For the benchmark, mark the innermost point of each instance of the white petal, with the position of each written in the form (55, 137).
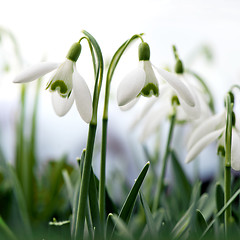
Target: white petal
(63, 74)
(150, 78)
(235, 161)
(61, 105)
(129, 105)
(130, 86)
(35, 72)
(202, 143)
(192, 113)
(161, 101)
(178, 85)
(82, 97)
(211, 124)
(153, 121)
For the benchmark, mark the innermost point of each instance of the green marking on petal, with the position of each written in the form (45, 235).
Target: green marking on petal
(175, 100)
(59, 84)
(149, 90)
(221, 151)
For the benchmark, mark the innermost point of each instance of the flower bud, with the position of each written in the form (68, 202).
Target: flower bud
(74, 52)
(143, 52)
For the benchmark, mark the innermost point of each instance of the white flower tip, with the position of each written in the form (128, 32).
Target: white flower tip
(87, 115)
(188, 160)
(82, 97)
(35, 72)
(61, 105)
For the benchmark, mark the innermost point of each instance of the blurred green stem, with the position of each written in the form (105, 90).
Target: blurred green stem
(20, 136)
(227, 169)
(160, 184)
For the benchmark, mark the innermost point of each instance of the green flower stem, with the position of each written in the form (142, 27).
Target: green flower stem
(83, 196)
(85, 182)
(20, 136)
(102, 173)
(227, 169)
(111, 69)
(160, 184)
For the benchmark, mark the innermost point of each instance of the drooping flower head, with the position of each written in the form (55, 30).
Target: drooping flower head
(212, 129)
(177, 89)
(66, 84)
(140, 81)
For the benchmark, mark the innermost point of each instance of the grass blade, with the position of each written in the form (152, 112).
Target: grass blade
(130, 201)
(149, 217)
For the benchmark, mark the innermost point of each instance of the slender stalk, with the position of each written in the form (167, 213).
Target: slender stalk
(20, 147)
(160, 183)
(85, 182)
(83, 196)
(111, 69)
(227, 168)
(102, 172)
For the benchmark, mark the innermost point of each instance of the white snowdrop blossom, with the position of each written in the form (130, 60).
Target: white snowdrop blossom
(66, 84)
(210, 130)
(140, 81)
(192, 106)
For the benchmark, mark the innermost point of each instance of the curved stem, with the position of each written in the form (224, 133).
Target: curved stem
(111, 69)
(91, 140)
(92, 53)
(160, 184)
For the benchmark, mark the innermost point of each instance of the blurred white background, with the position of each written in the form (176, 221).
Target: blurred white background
(46, 29)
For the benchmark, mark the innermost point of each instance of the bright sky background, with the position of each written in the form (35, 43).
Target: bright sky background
(47, 28)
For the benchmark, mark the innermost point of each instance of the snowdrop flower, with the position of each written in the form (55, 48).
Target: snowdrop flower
(140, 81)
(66, 84)
(192, 103)
(210, 130)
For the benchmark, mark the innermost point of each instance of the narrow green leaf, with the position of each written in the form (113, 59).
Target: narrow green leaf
(5, 231)
(89, 223)
(18, 193)
(76, 197)
(69, 186)
(130, 201)
(221, 212)
(74, 219)
(182, 183)
(219, 200)
(201, 222)
(149, 217)
(187, 219)
(110, 205)
(93, 201)
(122, 227)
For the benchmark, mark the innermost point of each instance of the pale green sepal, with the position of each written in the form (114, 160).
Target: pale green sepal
(74, 52)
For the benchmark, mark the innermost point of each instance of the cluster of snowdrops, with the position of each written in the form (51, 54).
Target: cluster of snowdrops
(178, 211)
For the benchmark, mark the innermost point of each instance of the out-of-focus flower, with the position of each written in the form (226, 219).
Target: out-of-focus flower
(192, 106)
(210, 130)
(66, 84)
